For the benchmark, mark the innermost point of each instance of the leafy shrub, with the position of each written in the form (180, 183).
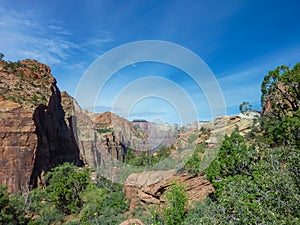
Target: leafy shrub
(233, 158)
(11, 208)
(192, 138)
(66, 182)
(176, 200)
(194, 162)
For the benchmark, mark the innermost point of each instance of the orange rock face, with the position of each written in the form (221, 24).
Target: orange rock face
(18, 143)
(35, 135)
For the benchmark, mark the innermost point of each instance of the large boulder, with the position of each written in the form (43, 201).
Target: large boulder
(150, 187)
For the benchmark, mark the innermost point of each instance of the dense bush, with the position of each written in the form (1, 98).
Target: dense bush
(176, 200)
(194, 162)
(66, 182)
(11, 208)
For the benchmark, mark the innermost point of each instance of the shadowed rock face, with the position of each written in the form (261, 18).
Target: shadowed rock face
(35, 135)
(56, 141)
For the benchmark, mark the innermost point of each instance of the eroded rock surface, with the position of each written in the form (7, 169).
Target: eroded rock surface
(150, 187)
(18, 143)
(35, 135)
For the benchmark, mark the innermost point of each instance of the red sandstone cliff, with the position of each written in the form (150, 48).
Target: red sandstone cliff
(34, 133)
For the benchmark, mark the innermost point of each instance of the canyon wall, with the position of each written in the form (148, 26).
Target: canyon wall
(35, 135)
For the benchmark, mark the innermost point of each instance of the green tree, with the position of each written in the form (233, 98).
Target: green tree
(66, 182)
(234, 157)
(281, 102)
(281, 91)
(245, 107)
(193, 164)
(192, 138)
(176, 200)
(1, 56)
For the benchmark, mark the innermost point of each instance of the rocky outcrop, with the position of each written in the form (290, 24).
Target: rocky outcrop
(150, 187)
(212, 132)
(26, 82)
(132, 222)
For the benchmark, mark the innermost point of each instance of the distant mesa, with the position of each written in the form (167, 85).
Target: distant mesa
(140, 121)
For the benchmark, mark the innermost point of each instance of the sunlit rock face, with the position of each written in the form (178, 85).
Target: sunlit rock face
(18, 143)
(35, 135)
(150, 187)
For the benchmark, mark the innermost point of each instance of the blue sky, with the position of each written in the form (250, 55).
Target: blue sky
(240, 41)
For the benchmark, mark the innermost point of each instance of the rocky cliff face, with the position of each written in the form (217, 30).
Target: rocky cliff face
(124, 130)
(157, 134)
(56, 141)
(18, 143)
(104, 138)
(34, 133)
(101, 138)
(150, 187)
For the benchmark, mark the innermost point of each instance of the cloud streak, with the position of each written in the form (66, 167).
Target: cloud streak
(23, 35)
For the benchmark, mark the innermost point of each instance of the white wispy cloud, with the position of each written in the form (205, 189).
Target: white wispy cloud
(24, 35)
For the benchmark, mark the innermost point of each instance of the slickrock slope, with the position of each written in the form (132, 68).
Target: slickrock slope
(212, 132)
(131, 222)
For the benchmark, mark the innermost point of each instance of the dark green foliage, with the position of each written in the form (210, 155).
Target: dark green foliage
(245, 107)
(281, 88)
(285, 131)
(253, 186)
(39, 204)
(66, 182)
(193, 164)
(281, 102)
(48, 215)
(104, 206)
(204, 130)
(234, 158)
(1, 56)
(104, 130)
(269, 196)
(11, 209)
(143, 158)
